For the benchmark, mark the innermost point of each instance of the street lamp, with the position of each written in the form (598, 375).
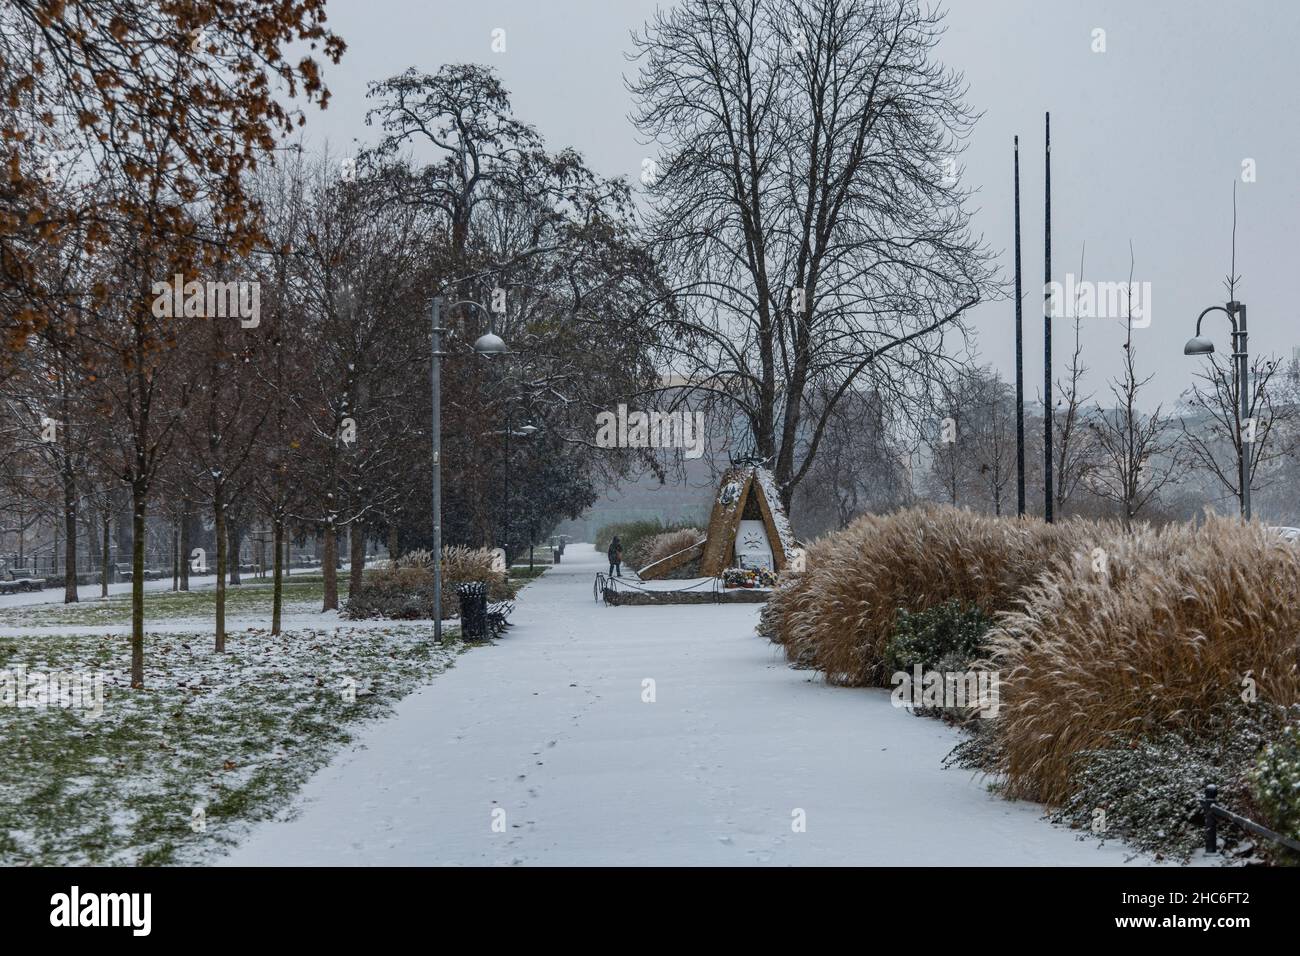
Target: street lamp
(489, 345)
(1202, 345)
(486, 345)
(523, 432)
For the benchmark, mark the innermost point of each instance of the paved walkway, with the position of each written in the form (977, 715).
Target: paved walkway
(541, 750)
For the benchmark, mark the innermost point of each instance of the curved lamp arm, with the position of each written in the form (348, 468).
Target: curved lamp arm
(488, 344)
(1232, 317)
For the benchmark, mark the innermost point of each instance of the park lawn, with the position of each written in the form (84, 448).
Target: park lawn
(174, 773)
(522, 572)
(301, 594)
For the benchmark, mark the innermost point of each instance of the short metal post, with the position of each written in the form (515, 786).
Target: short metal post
(1211, 820)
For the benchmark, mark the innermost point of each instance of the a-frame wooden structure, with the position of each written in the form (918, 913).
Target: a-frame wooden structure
(746, 492)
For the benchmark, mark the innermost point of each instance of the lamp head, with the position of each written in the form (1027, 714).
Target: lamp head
(489, 345)
(1198, 345)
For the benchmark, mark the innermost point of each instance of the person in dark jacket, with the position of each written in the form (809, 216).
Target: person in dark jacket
(615, 558)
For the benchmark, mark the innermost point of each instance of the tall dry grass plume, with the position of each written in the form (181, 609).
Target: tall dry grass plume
(1150, 634)
(838, 615)
(660, 546)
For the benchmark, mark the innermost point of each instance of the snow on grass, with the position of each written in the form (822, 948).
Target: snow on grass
(232, 735)
(300, 594)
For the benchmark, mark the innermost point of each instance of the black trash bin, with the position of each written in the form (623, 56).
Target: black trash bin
(473, 610)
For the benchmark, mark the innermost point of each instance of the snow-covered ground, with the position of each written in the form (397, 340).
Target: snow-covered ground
(543, 749)
(90, 592)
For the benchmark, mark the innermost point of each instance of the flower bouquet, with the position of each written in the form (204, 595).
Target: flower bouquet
(748, 578)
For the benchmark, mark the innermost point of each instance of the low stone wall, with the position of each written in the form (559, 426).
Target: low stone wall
(731, 596)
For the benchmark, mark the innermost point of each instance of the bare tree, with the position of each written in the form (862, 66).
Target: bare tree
(860, 469)
(806, 200)
(1076, 443)
(973, 449)
(1137, 451)
(1215, 435)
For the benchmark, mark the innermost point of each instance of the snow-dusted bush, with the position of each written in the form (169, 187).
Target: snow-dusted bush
(1150, 636)
(839, 614)
(947, 637)
(1148, 792)
(1275, 782)
(404, 589)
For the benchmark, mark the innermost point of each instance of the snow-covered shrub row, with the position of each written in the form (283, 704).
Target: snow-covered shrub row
(838, 616)
(404, 590)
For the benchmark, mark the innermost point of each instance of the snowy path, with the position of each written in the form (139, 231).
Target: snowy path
(549, 726)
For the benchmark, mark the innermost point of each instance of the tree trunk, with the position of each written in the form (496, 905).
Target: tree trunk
(186, 541)
(176, 555)
(392, 541)
(234, 532)
(219, 514)
(103, 567)
(277, 588)
(69, 536)
(138, 495)
(330, 565)
(357, 545)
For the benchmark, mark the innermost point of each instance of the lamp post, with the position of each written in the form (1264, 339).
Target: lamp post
(486, 345)
(1200, 345)
(523, 432)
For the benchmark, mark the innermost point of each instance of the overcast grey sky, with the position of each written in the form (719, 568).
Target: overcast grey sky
(1147, 140)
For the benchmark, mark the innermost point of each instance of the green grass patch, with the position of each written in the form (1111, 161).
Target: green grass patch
(525, 573)
(174, 773)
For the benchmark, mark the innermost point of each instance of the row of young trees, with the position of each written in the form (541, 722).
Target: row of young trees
(201, 320)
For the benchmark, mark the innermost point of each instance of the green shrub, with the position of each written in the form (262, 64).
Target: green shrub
(1151, 789)
(946, 637)
(1275, 782)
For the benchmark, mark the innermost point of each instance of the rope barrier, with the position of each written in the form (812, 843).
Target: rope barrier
(605, 583)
